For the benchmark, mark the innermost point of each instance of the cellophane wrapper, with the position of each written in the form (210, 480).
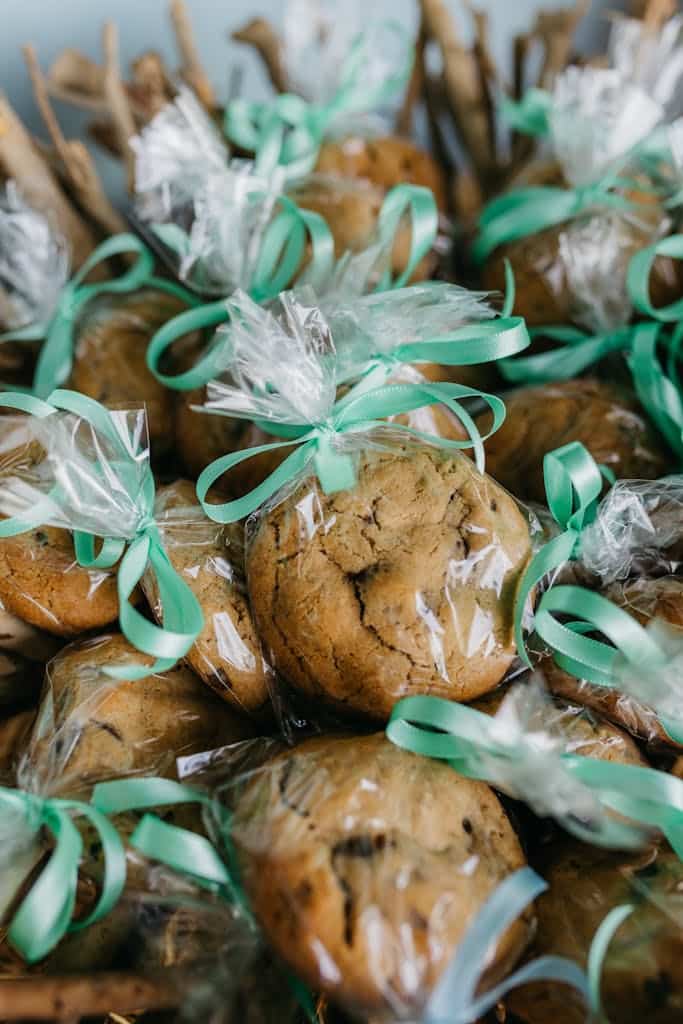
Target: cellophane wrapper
(651, 59)
(640, 977)
(357, 879)
(404, 581)
(34, 263)
(91, 728)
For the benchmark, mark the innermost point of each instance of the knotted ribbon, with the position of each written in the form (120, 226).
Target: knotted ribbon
(289, 130)
(182, 618)
(45, 914)
(530, 114)
(318, 444)
(280, 258)
(55, 361)
(474, 745)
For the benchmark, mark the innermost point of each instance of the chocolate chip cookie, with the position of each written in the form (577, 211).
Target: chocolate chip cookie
(210, 560)
(403, 584)
(365, 864)
(544, 417)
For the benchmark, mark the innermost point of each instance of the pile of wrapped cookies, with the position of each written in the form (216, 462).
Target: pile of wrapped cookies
(341, 529)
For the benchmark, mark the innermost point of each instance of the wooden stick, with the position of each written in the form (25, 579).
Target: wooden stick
(415, 87)
(151, 86)
(73, 997)
(20, 160)
(117, 100)
(260, 34)
(77, 162)
(463, 87)
(657, 12)
(556, 31)
(191, 69)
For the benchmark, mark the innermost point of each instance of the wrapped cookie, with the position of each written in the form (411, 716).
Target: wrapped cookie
(210, 557)
(93, 479)
(570, 233)
(637, 897)
(391, 558)
(357, 873)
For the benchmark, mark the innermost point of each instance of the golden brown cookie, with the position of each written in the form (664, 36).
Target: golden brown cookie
(404, 584)
(642, 976)
(41, 582)
(210, 560)
(547, 416)
(645, 600)
(92, 727)
(109, 358)
(365, 864)
(386, 161)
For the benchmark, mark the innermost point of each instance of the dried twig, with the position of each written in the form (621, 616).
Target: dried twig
(486, 67)
(78, 165)
(117, 100)
(21, 160)
(435, 105)
(463, 87)
(415, 87)
(657, 12)
(191, 68)
(151, 87)
(260, 34)
(556, 31)
(71, 997)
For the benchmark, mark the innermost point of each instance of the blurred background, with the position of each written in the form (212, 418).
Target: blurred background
(52, 25)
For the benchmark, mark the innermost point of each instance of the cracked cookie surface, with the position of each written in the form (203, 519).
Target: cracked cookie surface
(365, 864)
(404, 584)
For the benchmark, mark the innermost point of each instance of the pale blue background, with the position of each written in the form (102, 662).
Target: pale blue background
(143, 24)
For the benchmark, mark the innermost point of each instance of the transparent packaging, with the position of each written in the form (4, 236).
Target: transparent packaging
(210, 558)
(576, 272)
(364, 866)
(653, 59)
(34, 263)
(641, 974)
(603, 416)
(403, 583)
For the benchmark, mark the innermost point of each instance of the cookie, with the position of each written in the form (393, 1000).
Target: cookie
(645, 600)
(92, 727)
(41, 582)
(109, 358)
(13, 735)
(210, 559)
(404, 584)
(365, 864)
(547, 416)
(351, 209)
(386, 162)
(642, 976)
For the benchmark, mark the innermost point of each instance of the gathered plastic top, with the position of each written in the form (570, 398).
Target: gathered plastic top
(34, 262)
(596, 117)
(653, 60)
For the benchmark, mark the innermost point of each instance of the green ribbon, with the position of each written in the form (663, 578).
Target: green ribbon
(56, 356)
(529, 116)
(182, 618)
(45, 914)
(638, 278)
(525, 211)
(579, 350)
(280, 258)
(318, 445)
(472, 743)
(289, 130)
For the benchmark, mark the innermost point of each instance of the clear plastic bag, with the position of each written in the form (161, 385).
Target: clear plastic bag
(34, 262)
(402, 583)
(210, 558)
(641, 975)
(576, 272)
(603, 417)
(364, 865)
(651, 59)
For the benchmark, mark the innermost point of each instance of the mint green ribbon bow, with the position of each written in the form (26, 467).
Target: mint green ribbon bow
(280, 258)
(182, 618)
(56, 356)
(525, 211)
(529, 116)
(319, 445)
(468, 739)
(289, 130)
(281, 255)
(45, 914)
